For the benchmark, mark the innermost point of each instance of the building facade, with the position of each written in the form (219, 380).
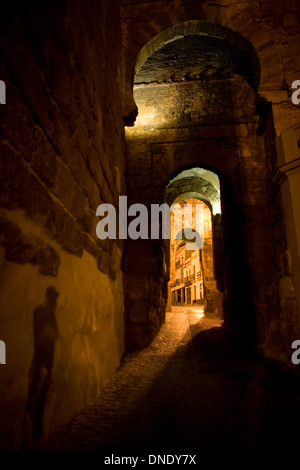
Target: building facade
(188, 287)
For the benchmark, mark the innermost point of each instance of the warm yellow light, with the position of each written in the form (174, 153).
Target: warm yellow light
(216, 208)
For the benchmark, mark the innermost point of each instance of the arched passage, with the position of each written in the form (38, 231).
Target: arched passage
(198, 110)
(197, 191)
(253, 40)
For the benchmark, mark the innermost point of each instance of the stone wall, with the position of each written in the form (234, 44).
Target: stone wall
(62, 154)
(283, 325)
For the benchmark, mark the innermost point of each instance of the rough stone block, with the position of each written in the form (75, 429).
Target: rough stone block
(71, 237)
(65, 187)
(139, 313)
(22, 249)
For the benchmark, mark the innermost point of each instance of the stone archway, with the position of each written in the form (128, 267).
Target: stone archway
(198, 184)
(185, 123)
(246, 253)
(239, 30)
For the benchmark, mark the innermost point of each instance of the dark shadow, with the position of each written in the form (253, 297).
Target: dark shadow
(45, 334)
(212, 394)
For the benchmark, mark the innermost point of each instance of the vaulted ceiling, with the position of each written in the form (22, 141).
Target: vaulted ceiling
(191, 79)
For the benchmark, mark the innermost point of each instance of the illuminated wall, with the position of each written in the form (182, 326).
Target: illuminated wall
(62, 154)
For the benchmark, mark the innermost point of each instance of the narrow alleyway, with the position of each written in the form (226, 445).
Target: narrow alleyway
(193, 388)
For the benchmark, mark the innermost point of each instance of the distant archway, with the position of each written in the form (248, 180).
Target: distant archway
(199, 120)
(193, 281)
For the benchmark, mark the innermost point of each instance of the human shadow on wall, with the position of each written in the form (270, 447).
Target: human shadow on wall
(45, 334)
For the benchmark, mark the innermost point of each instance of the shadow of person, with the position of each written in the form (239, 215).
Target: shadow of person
(45, 334)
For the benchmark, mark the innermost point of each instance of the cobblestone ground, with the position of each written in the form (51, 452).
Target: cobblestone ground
(193, 388)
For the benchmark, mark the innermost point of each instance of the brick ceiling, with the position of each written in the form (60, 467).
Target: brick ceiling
(195, 57)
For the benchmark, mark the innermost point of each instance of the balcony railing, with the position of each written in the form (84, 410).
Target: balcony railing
(189, 279)
(178, 264)
(176, 283)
